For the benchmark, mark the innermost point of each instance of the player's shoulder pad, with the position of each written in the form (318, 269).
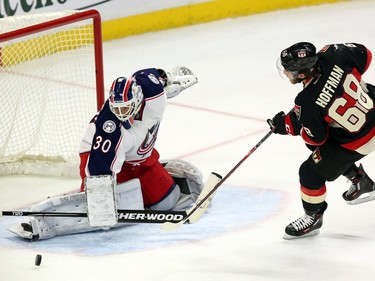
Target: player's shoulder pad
(149, 81)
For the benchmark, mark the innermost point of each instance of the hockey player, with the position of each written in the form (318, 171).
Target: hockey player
(334, 115)
(119, 162)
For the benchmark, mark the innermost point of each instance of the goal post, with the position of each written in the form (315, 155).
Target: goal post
(51, 85)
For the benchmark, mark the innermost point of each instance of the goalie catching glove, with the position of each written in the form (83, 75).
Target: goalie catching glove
(177, 80)
(285, 124)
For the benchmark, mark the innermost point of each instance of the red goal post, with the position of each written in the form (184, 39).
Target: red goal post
(51, 85)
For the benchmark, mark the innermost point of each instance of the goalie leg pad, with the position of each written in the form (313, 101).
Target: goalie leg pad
(48, 227)
(128, 196)
(188, 177)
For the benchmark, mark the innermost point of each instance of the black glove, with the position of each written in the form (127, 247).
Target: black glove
(285, 124)
(278, 122)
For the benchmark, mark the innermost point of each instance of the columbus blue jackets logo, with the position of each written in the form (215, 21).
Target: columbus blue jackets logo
(109, 126)
(153, 78)
(149, 141)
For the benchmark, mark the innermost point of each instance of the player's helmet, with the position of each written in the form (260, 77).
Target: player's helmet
(125, 98)
(299, 58)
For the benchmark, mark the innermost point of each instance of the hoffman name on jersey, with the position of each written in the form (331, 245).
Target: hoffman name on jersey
(330, 86)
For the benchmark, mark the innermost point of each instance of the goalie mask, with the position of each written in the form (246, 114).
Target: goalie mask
(125, 99)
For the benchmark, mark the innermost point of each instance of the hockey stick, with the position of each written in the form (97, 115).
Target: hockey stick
(133, 216)
(169, 219)
(127, 216)
(171, 225)
(124, 216)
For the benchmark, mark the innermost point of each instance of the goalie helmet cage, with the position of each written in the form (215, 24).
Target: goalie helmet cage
(51, 85)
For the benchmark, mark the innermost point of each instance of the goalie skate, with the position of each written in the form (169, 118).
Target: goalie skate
(362, 189)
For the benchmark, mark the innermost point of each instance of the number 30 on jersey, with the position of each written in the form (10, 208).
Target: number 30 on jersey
(103, 145)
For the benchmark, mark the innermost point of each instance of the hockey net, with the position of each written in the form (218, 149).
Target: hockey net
(51, 85)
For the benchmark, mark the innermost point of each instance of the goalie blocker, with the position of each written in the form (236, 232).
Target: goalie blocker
(101, 207)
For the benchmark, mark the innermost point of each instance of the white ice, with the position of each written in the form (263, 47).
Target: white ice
(214, 125)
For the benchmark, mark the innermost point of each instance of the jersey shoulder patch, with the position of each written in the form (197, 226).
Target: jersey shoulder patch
(106, 122)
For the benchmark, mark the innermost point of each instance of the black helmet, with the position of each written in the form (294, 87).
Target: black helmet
(299, 58)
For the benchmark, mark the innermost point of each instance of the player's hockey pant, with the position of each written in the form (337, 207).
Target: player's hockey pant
(326, 163)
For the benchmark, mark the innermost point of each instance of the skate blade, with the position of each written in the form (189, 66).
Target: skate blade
(366, 197)
(291, 237)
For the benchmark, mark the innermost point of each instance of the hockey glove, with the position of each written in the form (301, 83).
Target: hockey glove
(285, 124)
(179, 79)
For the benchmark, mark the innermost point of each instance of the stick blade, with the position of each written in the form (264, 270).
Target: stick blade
(195, 213)
(168, 226)
(211, 183)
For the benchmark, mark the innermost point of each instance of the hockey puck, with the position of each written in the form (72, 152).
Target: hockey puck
(38, 259)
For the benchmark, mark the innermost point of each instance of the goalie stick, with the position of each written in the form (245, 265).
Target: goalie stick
(124, 216)
(169, 219)
(134, 216)
(204, 202)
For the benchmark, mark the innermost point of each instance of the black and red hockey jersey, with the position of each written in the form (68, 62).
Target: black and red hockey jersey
(338, 105)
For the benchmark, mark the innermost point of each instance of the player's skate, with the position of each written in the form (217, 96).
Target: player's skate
(305, 226)
(362, 188)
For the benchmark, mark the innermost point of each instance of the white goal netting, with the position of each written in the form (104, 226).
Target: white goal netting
(48, 89)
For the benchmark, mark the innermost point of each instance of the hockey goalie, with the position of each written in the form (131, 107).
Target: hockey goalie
(120, 168)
